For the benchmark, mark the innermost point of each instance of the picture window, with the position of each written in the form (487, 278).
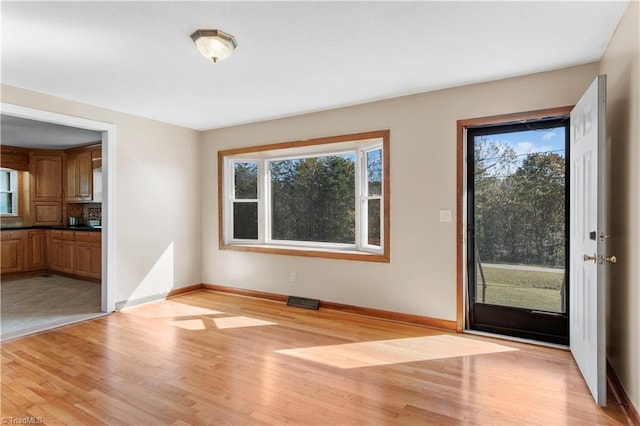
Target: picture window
(326, 197)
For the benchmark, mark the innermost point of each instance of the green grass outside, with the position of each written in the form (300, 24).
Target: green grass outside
(521, 289)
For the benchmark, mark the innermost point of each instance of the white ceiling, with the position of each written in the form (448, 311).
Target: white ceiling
(292, 57)
(27, 133)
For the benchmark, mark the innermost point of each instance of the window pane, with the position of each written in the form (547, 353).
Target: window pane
(246, 181)
(519, 215)
(374, 172)
(245, 221)
(313, 199)
(6, 204)
(5, 180)
(373, 224)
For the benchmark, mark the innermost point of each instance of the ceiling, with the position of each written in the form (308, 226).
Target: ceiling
(27, 133)
(292, 57)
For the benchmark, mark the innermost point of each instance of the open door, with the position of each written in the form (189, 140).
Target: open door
(517, 228)
(588, 238)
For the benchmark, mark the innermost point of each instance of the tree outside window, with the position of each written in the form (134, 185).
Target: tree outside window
(313, 196)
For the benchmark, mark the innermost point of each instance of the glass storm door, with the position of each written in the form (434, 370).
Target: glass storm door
(517, 229)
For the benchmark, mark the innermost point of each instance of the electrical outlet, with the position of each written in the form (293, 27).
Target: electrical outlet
(293, 277)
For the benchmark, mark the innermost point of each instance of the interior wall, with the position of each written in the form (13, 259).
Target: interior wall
(421, 277)
(621, 64)
(157, 197)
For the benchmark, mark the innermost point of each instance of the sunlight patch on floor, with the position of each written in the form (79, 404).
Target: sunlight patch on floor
(192, 324)
(238, 322)
(395, 351)
(168, 309)
(219, 323)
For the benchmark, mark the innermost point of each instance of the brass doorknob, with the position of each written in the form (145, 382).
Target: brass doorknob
(588, 258)
(611, 259)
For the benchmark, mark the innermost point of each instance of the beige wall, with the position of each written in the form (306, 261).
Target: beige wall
(621, 64)
(166, 190)
(421, 278)
(157, 198)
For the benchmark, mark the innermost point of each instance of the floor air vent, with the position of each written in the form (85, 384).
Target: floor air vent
(302, 302)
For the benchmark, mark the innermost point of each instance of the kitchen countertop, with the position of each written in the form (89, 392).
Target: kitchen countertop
(57, 227)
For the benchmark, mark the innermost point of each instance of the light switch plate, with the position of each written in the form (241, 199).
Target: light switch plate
(445, 215)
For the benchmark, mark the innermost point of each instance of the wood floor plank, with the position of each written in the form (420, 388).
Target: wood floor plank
(214, 358)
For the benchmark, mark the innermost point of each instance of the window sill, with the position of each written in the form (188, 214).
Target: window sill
(307, 252)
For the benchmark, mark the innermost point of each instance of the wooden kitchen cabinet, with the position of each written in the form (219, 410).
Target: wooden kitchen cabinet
(68, 257)
(78, 176)
(54, 259)
(11, 251)
(47, 213)
(46, 170)
(88, 254)
(55, 255)
(13, 157)
(62, 251)
(46, 188)
(76, 253)
(81, 258)
(36, 250)
(95, 261)
(47, 248)
(96, 157)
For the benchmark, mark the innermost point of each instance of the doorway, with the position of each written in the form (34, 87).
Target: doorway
(517, 228)
(107, 131)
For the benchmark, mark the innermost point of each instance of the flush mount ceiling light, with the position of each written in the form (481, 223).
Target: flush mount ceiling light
(214, 44)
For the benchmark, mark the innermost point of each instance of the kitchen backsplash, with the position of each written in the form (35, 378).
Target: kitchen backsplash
(94, 213)
(86, 212)
(75, 210)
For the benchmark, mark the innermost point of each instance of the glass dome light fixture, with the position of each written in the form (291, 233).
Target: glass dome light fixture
(214, 44)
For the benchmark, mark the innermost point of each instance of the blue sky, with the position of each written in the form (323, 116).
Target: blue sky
(524, 143)
(534, 140)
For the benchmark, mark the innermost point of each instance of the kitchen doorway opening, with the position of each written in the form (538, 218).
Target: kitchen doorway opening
(108, 134)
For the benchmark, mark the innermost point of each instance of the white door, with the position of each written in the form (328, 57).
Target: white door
(588, 238)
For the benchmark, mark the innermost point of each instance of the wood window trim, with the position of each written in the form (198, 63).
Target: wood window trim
(462, 126)
(384, 257)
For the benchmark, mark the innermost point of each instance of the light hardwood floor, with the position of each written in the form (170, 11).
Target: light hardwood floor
(212, 358)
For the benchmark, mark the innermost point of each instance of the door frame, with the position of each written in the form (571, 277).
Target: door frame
(108, 131)
(461, 193)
